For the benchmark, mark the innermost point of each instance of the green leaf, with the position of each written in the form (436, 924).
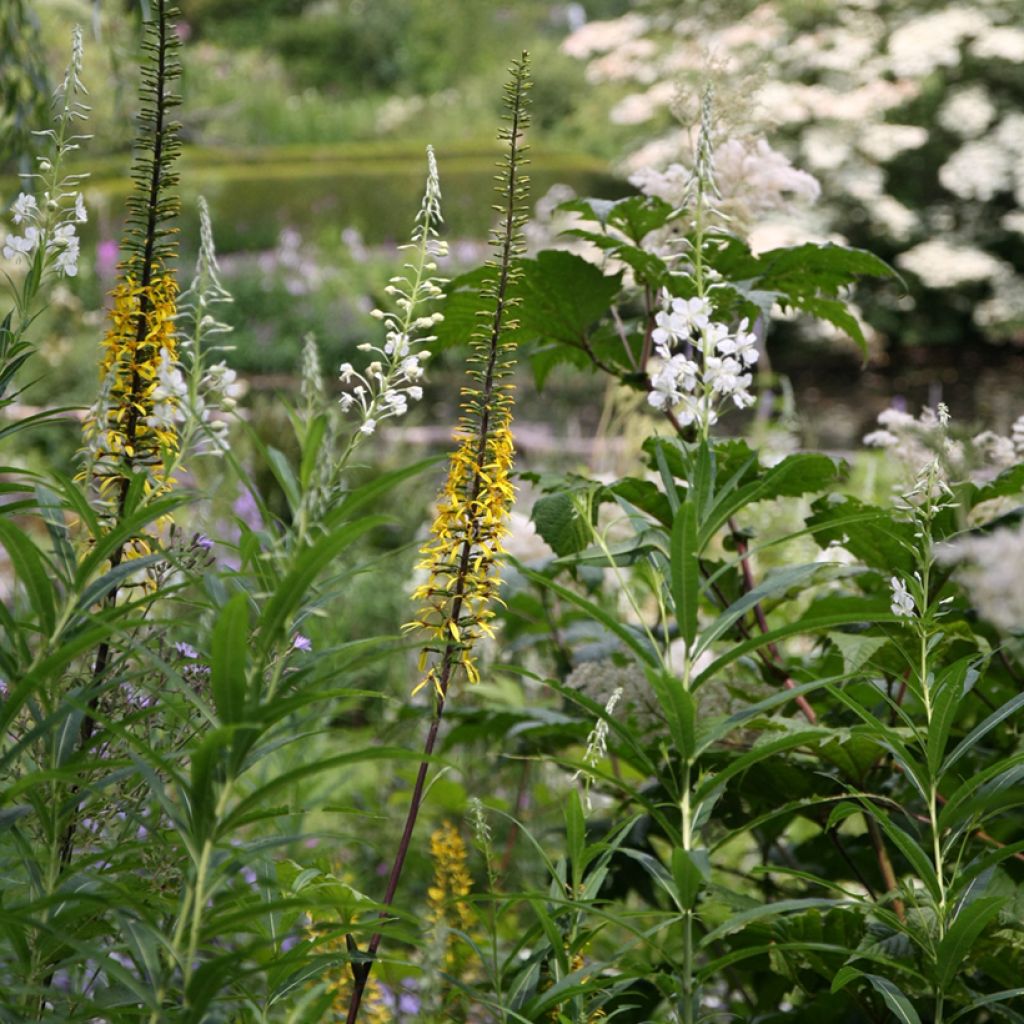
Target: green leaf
(311, 448)
(563, 297)
(559, 522)
(902, 1008)
(679, 708)
(31, 571)
(955, 946)
(971, 739)
(228, 658)
(375, 489)
(796, 475)
(691, 870)
(778, 582)
(978, 1000)
(309, 564)
(763, 912)
(908, 846)
(635, 216)
(685, 571)
(648, 497)
(637, 643)
(951, 685)
(575, 837)
(866, 531)
(283, 474)
(857, 649)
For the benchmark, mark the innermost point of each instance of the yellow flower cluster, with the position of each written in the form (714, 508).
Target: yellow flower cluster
(125, 432)
(452, 880)
(446, 898)
(465, 547)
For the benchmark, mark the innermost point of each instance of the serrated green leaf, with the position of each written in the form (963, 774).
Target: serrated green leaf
(559, 522)
(856, 649)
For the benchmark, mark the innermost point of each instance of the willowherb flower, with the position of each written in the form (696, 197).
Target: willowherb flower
(49, 240)
(597, 744)
(902, 600)
(389, 383)
(712, 366)
(211, 390)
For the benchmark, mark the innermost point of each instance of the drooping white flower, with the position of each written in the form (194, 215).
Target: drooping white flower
(902, 601)
(67, 258)
(21, 245)
(81, 214)
(742, 344)
(168, 396)
(24, 208)
(1017, 435)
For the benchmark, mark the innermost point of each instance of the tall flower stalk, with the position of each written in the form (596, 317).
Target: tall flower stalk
(131, 429)
(462, 554)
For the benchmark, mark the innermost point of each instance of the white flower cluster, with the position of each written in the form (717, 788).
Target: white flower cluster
(842, 88)
(390, 382)
(50, 229)
(943, 264)
(50, 223)
(751, 178)
(169, 395)
(918, 441)
(699, 363)
(992, 570)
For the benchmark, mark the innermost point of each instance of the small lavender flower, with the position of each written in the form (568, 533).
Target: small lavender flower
(186, 650)
(301, 643)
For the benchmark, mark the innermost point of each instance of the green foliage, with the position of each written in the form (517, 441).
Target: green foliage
(746, 746)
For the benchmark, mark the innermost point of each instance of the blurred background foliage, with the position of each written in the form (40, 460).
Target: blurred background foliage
(305, 122)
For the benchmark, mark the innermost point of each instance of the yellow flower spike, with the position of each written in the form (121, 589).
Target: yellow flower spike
(447, 905)
(134, 418)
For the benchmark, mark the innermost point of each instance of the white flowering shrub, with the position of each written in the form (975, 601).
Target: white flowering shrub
(906, 114)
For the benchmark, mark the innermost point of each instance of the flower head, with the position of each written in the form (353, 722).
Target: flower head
(136, 423)
(902, 601)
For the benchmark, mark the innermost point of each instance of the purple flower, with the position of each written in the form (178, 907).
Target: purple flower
(186, 650)
(301, 643)
(247, 510)
(204, 542)
(106, 258)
